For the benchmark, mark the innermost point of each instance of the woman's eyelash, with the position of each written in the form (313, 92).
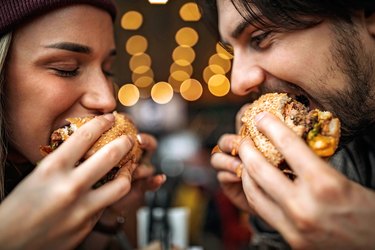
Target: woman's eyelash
(66, 73)
(108, 73)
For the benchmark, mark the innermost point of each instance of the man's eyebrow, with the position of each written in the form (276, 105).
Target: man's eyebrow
(74, 47)
(239, 29)
(236, 32)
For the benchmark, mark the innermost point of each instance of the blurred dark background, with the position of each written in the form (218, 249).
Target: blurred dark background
(186, 130)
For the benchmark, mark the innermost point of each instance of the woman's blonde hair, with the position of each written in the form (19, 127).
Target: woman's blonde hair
(4, 47)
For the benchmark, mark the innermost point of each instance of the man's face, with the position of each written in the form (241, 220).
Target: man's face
(329, 66)
(58, 68)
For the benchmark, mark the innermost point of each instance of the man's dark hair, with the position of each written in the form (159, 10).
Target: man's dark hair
(290, 14)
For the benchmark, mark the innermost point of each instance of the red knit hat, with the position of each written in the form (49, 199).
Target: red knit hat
(14, 12)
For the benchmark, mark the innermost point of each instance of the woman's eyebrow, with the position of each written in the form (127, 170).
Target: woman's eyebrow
(74, 47)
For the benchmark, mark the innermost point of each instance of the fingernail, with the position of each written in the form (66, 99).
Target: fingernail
(139, 138)
(110, 117)
(163, 177)
(259, 116)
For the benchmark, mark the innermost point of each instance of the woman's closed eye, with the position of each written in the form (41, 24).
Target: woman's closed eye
(66, 72)
(108, 73)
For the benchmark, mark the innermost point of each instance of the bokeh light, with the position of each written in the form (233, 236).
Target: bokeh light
(218, 60)
(189, 12)
(219, 85)
(144, 81)
(222, 52)
(136, 76)
(131, 20)
(136, 45)
(175, 67)
(162, 92)
(140, 63)
(180, 75)
(187, 36)
(183, 55)
(191, 89)
(128, 95)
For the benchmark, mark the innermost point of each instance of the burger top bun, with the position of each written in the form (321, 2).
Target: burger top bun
(288, 110)
(122, 126)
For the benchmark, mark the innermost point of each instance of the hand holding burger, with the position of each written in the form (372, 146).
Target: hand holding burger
(123, 126)
(319, 129)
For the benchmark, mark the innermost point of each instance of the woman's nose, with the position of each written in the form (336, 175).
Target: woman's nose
(246, 75)
(100, 95)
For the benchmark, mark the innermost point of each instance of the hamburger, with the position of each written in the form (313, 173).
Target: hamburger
(123, 125)
(319, 129)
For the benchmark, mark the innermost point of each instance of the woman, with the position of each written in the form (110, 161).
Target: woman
(55, 62)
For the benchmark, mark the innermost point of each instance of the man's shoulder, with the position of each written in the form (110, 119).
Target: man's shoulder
(356, 160)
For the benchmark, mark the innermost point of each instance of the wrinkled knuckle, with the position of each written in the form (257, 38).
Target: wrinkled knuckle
(102, 122)
(113, 155)
(328, 189)
(86, 135)
(49, 164)
(61, 162)
(305, 222)
(284, 141)
(298, 243)
(69, 194)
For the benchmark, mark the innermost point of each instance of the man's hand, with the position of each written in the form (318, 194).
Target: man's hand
(321, 209)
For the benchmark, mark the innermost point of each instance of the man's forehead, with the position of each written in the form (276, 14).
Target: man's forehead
(229, 17)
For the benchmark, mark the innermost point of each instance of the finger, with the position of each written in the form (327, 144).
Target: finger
(268, 177)
(221, 161)
(143, 171)
(226, 177)
(126, 171)
(228, 142)
(150, 183)
(266, 208)
(148, 143)
(304, 162)
(107, 194)
(100, 163)
(72, 150)
(239, 116)
(154, 183)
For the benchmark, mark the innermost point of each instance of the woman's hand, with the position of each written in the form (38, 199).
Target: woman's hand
(55, 207)
(321, 209)
(143, 179)
(122, 215)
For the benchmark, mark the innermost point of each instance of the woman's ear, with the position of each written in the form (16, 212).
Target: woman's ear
(370, 22)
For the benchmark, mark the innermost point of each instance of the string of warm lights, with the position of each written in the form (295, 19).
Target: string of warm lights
(179, 81)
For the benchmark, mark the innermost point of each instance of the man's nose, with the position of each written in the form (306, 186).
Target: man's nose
(100, 95)
(246, 75)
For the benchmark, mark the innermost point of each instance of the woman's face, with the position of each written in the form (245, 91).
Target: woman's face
(59, 66)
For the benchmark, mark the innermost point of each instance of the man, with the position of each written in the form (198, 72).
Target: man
(324, 52)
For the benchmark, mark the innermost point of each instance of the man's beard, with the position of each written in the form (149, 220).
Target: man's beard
(355, 104)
